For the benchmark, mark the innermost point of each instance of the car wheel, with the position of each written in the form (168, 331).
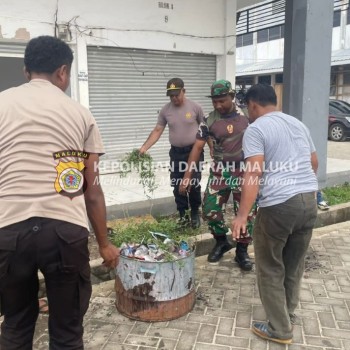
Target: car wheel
(336, 132)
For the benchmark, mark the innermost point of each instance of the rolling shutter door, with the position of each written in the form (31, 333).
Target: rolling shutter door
(127, 90)
(9, 49)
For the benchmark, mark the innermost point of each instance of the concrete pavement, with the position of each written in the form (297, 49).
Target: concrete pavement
(227, 302)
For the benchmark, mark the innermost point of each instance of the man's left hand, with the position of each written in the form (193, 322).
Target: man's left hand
(238, 226)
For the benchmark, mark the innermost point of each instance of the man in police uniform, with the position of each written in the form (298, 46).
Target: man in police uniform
(49, 153)
(183, 117)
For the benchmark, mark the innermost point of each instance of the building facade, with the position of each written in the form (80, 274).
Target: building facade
(125, 51)
(259, 53)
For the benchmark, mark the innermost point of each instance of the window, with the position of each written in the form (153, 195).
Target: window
(264, 79)
(263, 35)
(244, 40)
(239, 40)
(244, 83)
(272, 33)
(336, 18)
(346, 78)
(247, 39)
(275, 33)
(279, 78)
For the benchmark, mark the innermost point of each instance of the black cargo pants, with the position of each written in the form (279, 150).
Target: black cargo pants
(178, 161)
(60, 251)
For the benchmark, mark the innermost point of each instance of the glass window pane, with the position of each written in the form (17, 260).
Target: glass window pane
(279, 78)
(333, 110)
(264, 79)
(274, 33)
(239, 41)
(247, 39)
(263, 35)
(346, 78)
(336, 18)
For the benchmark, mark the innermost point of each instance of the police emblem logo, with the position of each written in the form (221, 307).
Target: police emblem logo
(229, 128)
(172, 86)
(70, 179)
(188, 115)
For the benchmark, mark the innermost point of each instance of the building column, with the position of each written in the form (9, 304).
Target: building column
(226, 63)
(307, 67)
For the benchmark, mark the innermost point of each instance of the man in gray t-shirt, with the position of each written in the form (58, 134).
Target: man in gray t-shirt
(281, 164)
(183, 117)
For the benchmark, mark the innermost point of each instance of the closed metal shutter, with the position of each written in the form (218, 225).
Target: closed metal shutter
(9, 49)
(127, 89)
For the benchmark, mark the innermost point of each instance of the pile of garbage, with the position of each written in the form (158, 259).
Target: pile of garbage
(161, 249)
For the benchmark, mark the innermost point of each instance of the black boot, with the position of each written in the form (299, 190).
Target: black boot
(221, 247)
(184, 220)
(195, 219)
(242, 257)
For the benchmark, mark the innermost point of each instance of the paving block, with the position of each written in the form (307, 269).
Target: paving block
(206, 333)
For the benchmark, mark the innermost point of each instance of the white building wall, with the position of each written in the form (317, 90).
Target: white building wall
(133, 23)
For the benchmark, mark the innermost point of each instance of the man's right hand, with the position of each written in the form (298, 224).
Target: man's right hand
(142, 150)
(110, 255)
(184, 187)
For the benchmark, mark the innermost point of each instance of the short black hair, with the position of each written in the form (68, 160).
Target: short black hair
(262, 94)
(45, 54)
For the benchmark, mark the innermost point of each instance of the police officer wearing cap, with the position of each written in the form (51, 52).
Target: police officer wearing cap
(224, 128)
(183, 117)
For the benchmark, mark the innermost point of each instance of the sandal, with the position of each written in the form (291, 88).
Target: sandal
(43, 306)
(261, 329)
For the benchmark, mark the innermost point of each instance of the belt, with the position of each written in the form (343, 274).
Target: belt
(185, 149)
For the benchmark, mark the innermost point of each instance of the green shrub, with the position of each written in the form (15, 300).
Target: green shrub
(337, 194)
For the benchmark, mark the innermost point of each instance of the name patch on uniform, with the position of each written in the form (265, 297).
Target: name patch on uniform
(70, 153)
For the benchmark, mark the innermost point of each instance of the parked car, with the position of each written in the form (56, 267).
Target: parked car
(341, 105)
(338, 120)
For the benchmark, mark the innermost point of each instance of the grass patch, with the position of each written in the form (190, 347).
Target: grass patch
(138, 231)
(337, 194)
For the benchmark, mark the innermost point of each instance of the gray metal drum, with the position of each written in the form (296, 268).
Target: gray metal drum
(155, 291)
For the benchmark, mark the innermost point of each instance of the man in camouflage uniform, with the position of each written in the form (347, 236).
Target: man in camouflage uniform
(224, 128)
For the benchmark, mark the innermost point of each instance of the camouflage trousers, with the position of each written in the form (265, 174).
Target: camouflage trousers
(217, 193)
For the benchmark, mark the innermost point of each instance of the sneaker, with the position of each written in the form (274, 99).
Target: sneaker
(261, 330)
(219, 250)
(243, 260)
(323, 205)
(195, 219)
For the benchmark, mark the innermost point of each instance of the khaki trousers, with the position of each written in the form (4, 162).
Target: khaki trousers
(282, 234)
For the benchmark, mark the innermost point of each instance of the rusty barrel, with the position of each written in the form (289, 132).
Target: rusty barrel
(155, 291)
